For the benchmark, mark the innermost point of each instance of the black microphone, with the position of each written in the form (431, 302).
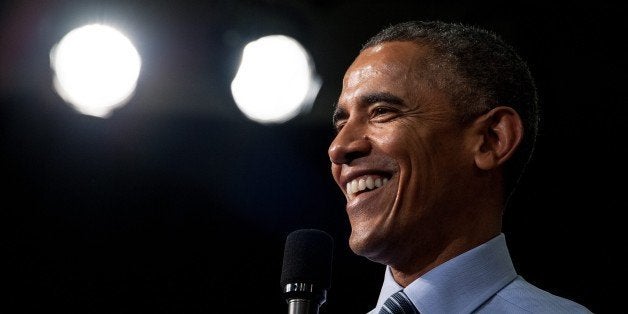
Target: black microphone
(306, 272)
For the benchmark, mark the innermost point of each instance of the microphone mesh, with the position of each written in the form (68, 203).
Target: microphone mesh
(307, 258)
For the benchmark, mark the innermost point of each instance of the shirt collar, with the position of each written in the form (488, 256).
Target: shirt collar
(461, 284)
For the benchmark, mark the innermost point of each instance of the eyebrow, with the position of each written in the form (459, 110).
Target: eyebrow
(340, 113)
(381, 97)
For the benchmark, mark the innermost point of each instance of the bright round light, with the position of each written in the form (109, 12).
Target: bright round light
(275, 81)
(96, 69)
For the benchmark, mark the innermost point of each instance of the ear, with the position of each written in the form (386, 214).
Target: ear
(499, 132)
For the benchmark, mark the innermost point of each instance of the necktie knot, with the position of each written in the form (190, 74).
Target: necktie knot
(398, 303)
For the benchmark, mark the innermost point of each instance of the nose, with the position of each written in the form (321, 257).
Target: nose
(349, 144)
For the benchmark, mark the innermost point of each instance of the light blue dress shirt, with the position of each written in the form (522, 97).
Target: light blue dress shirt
(482, 280)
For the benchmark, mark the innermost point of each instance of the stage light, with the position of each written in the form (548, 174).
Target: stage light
(95, 69)
(276, 80)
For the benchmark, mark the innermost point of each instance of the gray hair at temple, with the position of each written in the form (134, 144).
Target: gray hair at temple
(478, 71)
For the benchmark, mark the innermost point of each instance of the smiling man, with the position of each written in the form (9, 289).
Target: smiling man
(435, 124)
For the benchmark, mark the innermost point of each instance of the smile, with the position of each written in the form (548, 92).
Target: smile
(365, 183)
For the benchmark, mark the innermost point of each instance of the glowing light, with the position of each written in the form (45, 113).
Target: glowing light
(96, 69)
(275, 81)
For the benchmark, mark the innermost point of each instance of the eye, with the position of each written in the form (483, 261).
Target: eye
(338, 125)
(383, 113)
(380, 110)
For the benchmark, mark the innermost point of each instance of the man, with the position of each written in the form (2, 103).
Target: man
(435, 124)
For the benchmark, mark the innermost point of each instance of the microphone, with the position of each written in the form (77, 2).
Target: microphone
(306, 272)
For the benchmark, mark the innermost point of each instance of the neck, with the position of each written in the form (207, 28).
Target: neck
(465, 228)
(405, 273)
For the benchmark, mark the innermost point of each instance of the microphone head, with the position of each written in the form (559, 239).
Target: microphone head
(307, 258)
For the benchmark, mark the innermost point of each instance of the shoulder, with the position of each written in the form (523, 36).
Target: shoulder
(520, 296)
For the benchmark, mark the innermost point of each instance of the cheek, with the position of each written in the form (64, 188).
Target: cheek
(418, 156)
(406, 145)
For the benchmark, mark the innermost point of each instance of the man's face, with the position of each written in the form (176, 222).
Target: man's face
(399, 155)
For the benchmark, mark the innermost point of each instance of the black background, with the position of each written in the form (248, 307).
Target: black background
(178, 204)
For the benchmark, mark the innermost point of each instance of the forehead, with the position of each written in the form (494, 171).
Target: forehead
(394, 67)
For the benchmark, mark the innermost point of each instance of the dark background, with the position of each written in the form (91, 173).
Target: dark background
(178, 204)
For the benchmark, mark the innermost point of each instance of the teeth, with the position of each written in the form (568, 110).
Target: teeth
(378, 182)
(364, 183)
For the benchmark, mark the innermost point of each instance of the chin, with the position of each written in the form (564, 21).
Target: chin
(371, 244)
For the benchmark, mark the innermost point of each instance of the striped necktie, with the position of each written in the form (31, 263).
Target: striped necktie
(398, 303)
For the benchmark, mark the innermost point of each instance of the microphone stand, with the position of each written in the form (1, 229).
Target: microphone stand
(304, 298)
